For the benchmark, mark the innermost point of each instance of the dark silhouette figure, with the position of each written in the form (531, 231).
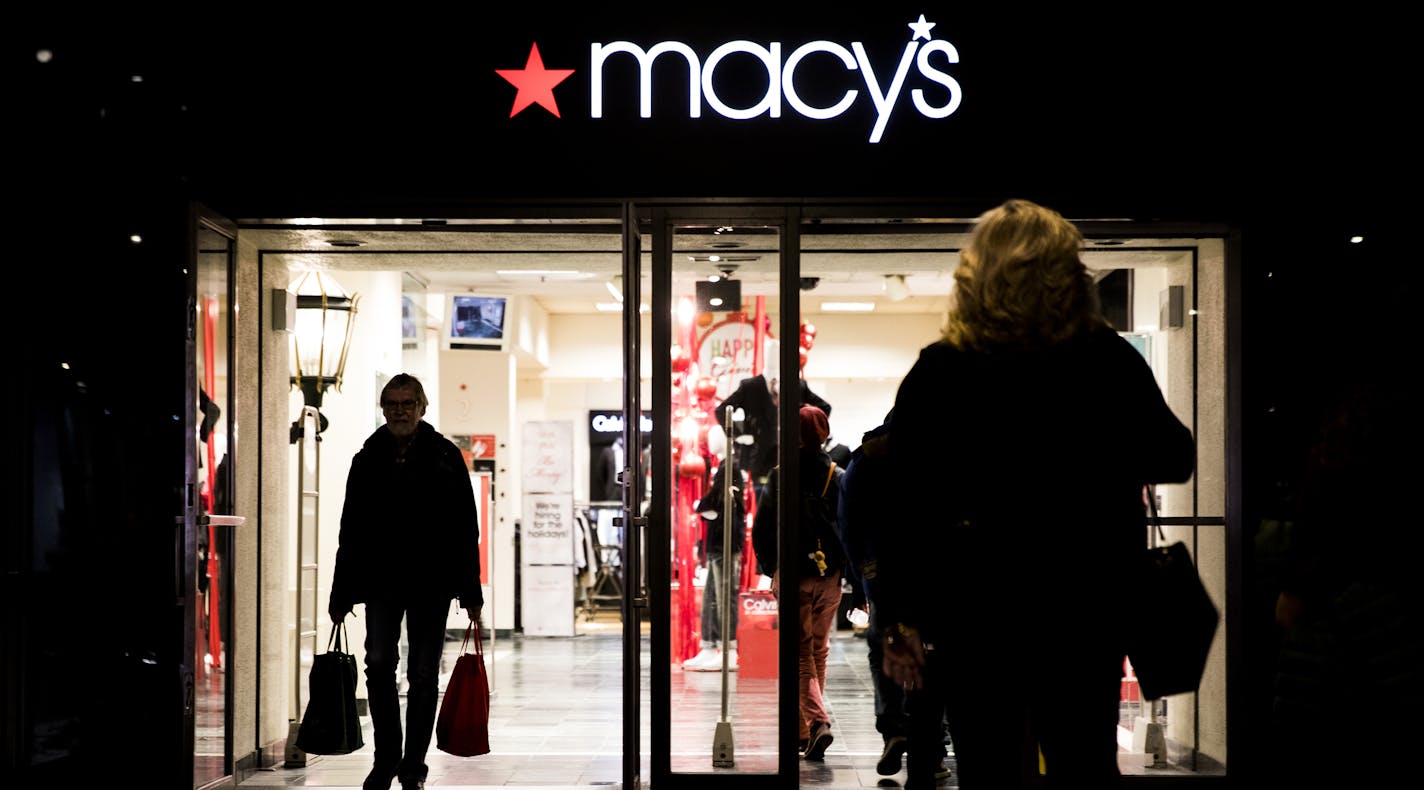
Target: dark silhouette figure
(865, 488)
(409, 544)
(1343, 564)
(1021, 443)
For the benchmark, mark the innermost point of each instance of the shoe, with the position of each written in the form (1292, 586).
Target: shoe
(819, 741)
(708, 660)
(891, 757)
(418, 784)
(731, 661)
(940, 774)
(378, 779)
(801, 746)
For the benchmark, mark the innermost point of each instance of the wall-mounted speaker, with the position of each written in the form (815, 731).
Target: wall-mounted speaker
(719, 297)
(1173, 308)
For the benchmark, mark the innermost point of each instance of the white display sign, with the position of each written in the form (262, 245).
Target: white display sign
(547, 530)
(548, 457)
(547, 592)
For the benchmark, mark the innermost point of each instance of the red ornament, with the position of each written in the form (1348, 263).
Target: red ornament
(692, 465)
(803, 357)
(706, 388)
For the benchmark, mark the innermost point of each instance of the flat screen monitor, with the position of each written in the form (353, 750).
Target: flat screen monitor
(477, 321)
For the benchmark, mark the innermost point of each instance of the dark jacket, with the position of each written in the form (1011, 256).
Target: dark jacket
(1018, 483)
(409, 531)
(862, 508)
(713, 502)
(754, 399)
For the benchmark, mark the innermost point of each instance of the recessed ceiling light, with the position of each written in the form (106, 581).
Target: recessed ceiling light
(608, 307)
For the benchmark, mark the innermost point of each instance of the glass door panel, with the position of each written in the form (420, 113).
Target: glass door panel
(213, 538)
(724, 430)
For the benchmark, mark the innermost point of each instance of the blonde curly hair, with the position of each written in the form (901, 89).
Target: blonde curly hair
(1021, 282)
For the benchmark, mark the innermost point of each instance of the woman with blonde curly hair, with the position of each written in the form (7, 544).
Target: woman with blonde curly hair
(1022, 442)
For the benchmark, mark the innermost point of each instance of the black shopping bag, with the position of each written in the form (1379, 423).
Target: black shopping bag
(331, 724)
(1174, 623)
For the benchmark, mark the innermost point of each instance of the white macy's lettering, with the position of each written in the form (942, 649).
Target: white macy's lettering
(781, 78)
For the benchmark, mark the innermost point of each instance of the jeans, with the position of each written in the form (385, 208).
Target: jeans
(712, 597)
(889, 698)
(425, 637)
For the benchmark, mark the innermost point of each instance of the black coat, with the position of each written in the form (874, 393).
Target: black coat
(409, 531)
(713, 501)
(1018, 485)
(754, 398)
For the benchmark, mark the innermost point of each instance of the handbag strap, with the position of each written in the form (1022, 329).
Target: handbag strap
(1155, 521)
(338, 636)
(473, 629)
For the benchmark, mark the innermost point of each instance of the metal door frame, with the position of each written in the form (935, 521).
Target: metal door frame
(665, 219)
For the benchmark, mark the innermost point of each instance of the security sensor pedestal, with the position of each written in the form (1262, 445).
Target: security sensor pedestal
(723, 753)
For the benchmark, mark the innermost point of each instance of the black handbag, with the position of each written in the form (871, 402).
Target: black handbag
(1175, 620)
(331, 724)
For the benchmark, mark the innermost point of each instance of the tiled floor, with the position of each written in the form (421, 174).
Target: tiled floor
(556, 722)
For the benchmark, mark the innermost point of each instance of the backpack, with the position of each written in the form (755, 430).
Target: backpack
(821, 550)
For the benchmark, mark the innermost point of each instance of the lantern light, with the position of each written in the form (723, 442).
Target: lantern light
(321, 340)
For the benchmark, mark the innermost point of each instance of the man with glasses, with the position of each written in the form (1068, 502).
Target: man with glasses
(409, 544)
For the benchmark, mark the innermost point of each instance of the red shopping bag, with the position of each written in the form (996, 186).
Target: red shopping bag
(462, 727)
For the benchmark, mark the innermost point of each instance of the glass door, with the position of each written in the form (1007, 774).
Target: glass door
(208, 540)
(723, 680)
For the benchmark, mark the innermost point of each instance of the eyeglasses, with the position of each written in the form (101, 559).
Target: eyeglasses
(399, 405)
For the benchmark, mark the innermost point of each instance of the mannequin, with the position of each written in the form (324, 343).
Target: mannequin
(757, 398)
(709, 508)
(604, 485)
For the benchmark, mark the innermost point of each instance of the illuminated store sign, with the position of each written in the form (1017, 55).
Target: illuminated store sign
(923, 56)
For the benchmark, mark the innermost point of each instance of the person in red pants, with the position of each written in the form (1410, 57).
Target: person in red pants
(823, 558)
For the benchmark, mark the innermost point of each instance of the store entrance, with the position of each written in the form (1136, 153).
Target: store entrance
(684, 325)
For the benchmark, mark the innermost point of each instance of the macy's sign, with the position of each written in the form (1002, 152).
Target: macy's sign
(927, 56)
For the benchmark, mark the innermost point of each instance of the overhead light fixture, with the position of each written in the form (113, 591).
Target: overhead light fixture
(847, 307)
(895, 288)
(615, 287)
(540, 273)
(322, 337)
(608, 307)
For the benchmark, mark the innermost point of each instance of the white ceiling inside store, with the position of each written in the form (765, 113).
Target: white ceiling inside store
(565, 268)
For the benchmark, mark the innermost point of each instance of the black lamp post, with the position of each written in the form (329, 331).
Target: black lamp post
(322, 337)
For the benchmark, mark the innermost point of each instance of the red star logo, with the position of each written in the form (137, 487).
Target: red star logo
(535, 83)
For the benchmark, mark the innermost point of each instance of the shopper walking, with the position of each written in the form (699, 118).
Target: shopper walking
(863, 517)
(822, 558)
(1021, 442)
(409, 543)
